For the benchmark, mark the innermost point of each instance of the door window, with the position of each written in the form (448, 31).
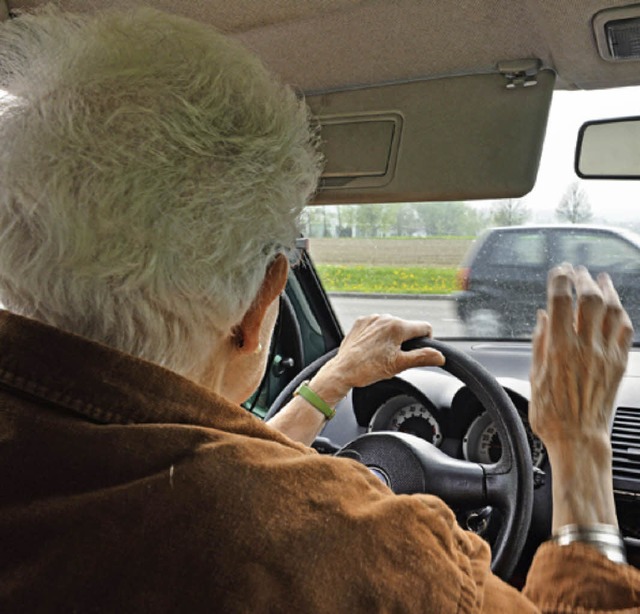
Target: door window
(598, 251)
(518, 249)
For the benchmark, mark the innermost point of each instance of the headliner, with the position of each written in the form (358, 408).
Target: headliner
(321, 45)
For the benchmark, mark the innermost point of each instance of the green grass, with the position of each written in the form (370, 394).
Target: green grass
(387, 280)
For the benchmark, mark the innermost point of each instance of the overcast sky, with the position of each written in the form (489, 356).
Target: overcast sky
(616, 202)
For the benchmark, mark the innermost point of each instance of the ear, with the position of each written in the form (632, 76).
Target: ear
(272, 286)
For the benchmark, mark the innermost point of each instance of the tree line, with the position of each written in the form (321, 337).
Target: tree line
(433, 219)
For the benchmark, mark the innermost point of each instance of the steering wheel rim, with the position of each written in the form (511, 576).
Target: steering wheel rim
(507, 484)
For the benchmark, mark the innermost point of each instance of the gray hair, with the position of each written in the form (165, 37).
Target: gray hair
(150, 170)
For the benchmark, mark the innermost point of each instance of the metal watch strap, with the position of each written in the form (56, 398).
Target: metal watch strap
(603, 537)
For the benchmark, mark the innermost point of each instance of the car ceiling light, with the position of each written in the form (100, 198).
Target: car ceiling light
(623, 38)
(617, 33)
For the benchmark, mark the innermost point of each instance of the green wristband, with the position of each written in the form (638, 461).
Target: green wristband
(313, 399)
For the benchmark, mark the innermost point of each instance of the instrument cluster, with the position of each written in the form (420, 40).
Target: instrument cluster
(469, 434)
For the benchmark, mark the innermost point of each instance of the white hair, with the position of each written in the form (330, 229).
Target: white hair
(150, 169)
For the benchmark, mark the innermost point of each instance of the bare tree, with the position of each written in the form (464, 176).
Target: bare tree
(509, 212)
(574, 207)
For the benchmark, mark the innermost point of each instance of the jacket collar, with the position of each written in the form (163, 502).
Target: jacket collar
(108, 386)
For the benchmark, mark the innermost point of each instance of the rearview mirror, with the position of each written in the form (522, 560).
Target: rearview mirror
(609, 149)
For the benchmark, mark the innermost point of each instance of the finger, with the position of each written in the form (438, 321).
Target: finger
(613, 318)
(625, 335)
(560, 301)
(539, 339)
(410, 329)
(590, 311)
(590, 308)
(424, 357)
(608, 290)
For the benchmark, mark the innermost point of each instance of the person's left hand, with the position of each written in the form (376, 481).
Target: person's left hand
(371, 352)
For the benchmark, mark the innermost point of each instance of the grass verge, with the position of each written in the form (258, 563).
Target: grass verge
(387, 280)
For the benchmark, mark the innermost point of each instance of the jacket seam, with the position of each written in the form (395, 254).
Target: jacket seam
(67, 401)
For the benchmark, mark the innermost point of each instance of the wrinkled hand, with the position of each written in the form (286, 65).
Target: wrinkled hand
(579, 357)
(371, 351)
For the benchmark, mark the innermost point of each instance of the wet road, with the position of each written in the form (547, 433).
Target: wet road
(441, 313)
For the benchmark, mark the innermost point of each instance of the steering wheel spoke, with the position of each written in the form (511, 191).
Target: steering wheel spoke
(408, 464)
(498, 484)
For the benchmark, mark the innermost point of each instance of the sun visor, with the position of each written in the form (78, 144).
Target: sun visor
(455, 138)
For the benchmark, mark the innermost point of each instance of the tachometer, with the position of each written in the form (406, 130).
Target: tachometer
(406, 414)
(481, 443)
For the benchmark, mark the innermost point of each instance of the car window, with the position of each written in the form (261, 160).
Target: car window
(442, 262)
(517, 249)
(598, 251)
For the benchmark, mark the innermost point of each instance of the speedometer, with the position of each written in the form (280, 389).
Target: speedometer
(406, 414)
(481, 443)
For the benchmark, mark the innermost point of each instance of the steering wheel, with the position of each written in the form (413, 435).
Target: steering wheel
(409, 464)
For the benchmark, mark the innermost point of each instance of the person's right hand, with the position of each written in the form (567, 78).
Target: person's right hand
(579, 357)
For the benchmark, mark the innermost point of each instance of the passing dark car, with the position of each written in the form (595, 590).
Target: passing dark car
(504, 274)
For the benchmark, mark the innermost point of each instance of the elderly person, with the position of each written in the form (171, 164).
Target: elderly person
(151, 177)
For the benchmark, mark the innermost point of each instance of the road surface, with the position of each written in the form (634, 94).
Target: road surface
(440, 312)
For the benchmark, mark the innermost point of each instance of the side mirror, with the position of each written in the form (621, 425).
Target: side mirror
(609, 149)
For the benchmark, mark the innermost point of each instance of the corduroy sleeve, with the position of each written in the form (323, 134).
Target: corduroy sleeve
(577, 578)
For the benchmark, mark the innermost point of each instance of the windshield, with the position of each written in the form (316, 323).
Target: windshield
(477, 269)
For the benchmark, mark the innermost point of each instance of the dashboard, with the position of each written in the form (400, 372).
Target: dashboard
(461, 427)
(437, 407)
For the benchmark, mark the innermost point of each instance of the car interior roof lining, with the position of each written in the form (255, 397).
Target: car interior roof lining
(345, 43)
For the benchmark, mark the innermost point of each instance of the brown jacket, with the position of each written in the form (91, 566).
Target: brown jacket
(127, 488)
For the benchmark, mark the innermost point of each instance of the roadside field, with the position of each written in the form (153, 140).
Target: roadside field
(387, 280)
(438, 252)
